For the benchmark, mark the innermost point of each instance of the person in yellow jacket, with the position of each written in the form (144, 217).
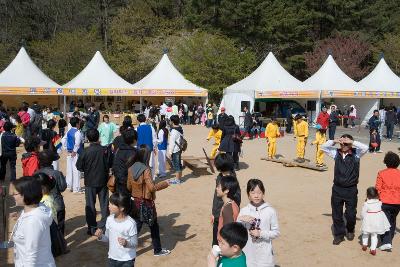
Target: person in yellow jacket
(217, 134)
(271, 133)
(301, 134)
(320, 138)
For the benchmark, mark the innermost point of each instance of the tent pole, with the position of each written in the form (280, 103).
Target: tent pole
(65, 105)
(141, 104)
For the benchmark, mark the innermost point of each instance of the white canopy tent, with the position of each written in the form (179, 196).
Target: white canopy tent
(97, 78)
(23, 77)
(269, 80)
(382, 82)
(335, 84)
(166, 80)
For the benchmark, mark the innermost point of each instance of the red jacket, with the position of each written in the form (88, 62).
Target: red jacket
(30, 163)
(323, 120)
(388, 186)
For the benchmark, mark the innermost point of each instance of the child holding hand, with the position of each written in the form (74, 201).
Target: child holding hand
(374, 220)
(120, 232)
(261, 220)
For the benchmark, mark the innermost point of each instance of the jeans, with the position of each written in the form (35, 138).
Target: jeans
(154, 232)
(209, 123)
(115, 263)
(391, 211)
(348, 197)
(289, 127)
(3, 167)
(248, 130)
(332, 130)
(176, 161)
(90, 208)
(389, 130)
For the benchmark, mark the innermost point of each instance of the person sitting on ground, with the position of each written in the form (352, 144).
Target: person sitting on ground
(232, 241)
(30, 160)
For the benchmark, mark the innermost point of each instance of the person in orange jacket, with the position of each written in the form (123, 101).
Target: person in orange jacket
(271, 134)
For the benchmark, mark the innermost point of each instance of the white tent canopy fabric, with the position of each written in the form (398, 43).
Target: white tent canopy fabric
(381, 79)
(330, 78)
(97, 74)
(269, 76)
(166, 77)
(23, 72)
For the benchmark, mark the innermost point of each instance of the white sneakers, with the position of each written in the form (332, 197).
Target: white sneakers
(386, 247)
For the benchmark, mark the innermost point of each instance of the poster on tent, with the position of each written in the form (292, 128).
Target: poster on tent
(99, 91)
(287, 94)
(359, 94)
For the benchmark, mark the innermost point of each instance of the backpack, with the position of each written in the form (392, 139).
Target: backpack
(181, 143)
(25, 118)
(36, 122)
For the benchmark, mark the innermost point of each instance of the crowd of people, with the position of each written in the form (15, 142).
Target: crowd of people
(126, 167)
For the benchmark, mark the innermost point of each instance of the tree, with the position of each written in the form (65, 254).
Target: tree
(63, 57)
(212, 61)
(390, 46)
(350, 53)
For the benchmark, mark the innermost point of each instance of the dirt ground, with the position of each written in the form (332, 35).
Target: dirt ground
(301, 198)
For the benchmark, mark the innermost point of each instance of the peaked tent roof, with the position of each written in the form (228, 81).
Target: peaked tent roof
(97, 74)
(23, 72)
(269, 76)
(382, 78)
(166, 76)
(330, 78)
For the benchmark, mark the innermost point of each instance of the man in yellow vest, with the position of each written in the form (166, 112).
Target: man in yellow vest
(301, 134)
(271, 133)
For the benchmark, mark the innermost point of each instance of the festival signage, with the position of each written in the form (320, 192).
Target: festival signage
(287, 94)
(99, 91)
(359, 94)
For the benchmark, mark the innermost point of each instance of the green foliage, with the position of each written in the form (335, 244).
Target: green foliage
(213, 61)
(390, 46)
(64, 56)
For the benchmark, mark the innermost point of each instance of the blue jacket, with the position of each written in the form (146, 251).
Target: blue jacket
(145, 136)
(71, 141)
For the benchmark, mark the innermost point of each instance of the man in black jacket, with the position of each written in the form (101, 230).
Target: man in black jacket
(344, 189)
(94, 162)
(391, 120)
(222, 118)
(248, 122)
(333, 122)
(8, 153)
(125, 152)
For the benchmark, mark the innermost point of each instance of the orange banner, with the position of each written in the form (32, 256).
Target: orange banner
(359, 94)
(98, 92)
(287, 94)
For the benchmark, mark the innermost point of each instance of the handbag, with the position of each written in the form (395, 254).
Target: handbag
(146, 210)
(237, 138)
(111, 183)
(374, 145)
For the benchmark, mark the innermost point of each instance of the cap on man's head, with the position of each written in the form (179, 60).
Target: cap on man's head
(222, 109)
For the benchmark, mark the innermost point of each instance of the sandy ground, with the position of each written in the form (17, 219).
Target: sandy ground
(301, 198)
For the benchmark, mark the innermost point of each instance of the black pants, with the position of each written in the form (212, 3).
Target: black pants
(154, 233)
(115, 263)
(332, 130)
(61, 220)
(248, 131)
(391, 211)
(348, 197)
(389, 130)
(90, 208)
(215, 231)
(289, 127)
(4, 159)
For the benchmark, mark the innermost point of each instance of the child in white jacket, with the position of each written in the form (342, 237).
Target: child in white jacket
(262, 223)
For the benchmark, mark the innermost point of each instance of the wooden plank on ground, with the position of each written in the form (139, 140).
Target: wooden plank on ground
(195, 163)
(290, 163)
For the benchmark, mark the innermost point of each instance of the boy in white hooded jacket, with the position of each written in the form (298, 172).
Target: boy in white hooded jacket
(262, 223)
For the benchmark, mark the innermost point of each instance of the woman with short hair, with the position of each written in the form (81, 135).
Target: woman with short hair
(31, 233)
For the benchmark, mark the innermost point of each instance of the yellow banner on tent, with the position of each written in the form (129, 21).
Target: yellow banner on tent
(98, 92)
(359, 94)
(287, 94)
